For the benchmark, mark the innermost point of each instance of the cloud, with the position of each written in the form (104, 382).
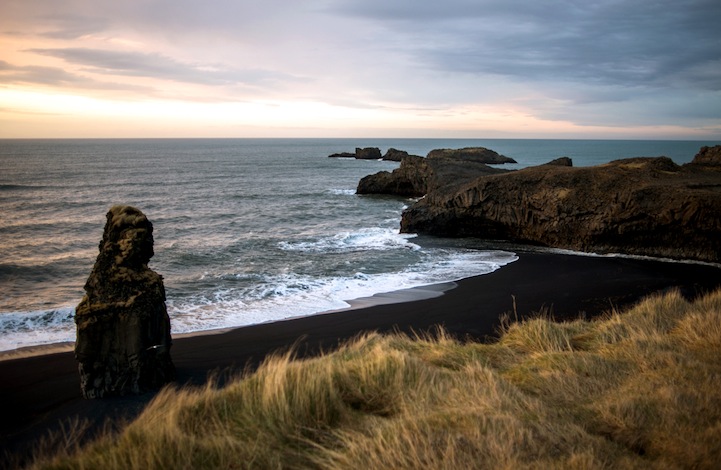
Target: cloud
(60, 78)
(158, 66)
(602, 63)
(72, 26)
(36, 74)
(592, 63)
(650, 43)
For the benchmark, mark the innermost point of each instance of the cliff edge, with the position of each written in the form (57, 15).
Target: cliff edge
(641, 206)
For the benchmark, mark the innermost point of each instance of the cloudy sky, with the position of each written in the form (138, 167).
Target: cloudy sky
(354, 68)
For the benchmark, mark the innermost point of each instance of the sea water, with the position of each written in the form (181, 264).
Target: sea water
(246, 230)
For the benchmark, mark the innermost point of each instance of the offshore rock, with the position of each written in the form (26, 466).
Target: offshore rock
(474, 154)
(642, 206)
(368, 153)
(417, 176)
(123, 329)
(342, 155)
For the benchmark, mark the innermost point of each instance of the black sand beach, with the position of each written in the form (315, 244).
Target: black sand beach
(41, 394)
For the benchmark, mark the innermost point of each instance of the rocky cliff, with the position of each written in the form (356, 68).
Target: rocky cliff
(643, 206)
(123, 329)
(417, 176)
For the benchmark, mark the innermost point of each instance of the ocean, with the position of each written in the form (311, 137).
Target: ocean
(246, 230)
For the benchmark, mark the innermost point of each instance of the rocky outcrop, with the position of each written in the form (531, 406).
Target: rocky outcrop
(342, 155)
(410, 179)
(367, 153)
(417, 176)
(643, 206)
(470, 154)
(473, 154)
(561, 161)
(708, 156)
(123, 329)
(394, 155)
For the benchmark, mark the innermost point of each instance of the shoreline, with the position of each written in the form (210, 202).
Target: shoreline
(410, 294)
(41, 394)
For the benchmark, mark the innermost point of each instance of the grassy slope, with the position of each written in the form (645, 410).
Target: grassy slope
(632, 390)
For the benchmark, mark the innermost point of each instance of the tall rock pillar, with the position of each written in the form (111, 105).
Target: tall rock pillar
(123, 329)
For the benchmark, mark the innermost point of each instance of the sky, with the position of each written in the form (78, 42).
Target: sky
(629, 69)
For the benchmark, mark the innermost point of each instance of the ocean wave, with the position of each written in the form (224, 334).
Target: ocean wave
(21, 329)
(282, 296)
(258, 298)
(342, 192)
(375, 238)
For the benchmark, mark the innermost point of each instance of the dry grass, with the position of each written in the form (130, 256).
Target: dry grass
(637, 389)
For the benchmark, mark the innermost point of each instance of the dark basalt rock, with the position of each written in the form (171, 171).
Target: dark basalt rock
(123, 329)
(394, 155)
(416, 176)
(410, 179)
(643, 206)
(368, 153)
(474, 154)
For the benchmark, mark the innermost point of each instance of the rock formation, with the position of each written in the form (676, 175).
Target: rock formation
(342, 155)
(367, 153)
(470, 154)
(643, 206)
(410, 179)
(473, 154)
(417, 176)
(123, 329)
(561, 161)
(708, 156)
(394, 155)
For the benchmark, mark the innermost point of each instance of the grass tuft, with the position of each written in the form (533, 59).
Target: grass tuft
(635, 389)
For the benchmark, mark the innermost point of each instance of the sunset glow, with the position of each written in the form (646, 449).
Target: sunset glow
(80, 68)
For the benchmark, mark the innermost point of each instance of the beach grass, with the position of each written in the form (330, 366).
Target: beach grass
(633, 389)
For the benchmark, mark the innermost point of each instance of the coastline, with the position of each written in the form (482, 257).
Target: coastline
(40, 394)
(410, 294)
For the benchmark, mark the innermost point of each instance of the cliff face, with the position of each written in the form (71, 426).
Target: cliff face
(643, 206)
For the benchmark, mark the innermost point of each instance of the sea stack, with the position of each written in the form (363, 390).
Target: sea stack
(123, 329)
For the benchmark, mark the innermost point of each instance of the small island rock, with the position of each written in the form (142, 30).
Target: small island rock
(342, 155)
(368, 153)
